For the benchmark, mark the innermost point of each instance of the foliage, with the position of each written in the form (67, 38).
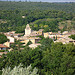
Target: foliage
(3, 38)
(29, 43)
(72, 36)
(19, 70)
(66, 25)
(49, 58)
(17, 45)
(46, 43)
(3, 50)
(38, 14)
(47, 24)
(9, 5)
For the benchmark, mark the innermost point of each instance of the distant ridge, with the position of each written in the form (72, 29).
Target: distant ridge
(12, 5)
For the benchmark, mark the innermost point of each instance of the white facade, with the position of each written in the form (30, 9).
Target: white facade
(11, 39)
(65, 32)
(27, 30)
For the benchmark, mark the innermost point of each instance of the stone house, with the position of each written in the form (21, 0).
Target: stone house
(27, 39)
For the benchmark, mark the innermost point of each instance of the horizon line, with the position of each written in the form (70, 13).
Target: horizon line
(39, 1)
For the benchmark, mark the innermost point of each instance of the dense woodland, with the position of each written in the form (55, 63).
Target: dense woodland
(39, 15)
(50, 58)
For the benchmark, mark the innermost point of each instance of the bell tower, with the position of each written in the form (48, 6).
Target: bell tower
(27, 30)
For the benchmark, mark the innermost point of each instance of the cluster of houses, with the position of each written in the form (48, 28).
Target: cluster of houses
(33, 36)
(29, 35)
(61, 37)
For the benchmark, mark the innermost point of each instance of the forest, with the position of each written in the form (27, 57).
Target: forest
(49, 59)
(48, 16)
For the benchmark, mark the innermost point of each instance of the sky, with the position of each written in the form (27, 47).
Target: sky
(55, 0)
(44, 0)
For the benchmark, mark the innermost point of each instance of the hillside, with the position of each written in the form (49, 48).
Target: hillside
(67, 25)
(4, 5)
(38, 14)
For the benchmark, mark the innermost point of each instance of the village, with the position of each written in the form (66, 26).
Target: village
(33, 36)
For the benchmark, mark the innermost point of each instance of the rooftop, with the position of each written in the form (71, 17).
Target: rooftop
(34, 45)
(1, 53)
(3, 46)
(25, 37)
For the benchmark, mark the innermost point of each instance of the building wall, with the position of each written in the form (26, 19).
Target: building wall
(46, 35)
(7, 44)
(39, 32)
(11, 39)
(27, 40)
(32, 40)
(27, 31)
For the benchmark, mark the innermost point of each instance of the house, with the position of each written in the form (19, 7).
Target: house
(52, 35)
(65, 40)
(16, 35)
(7, 44)
(27, 39)
(3, 47)
(33, 46)
(46, 34)
(65, 32)
(11, 39)
(10, 33)
(1, 53)
(23, 16)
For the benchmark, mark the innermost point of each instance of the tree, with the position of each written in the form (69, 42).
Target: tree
(29, 43)
(72, 36)
(3, 38)
(46, 43)
(19, 70)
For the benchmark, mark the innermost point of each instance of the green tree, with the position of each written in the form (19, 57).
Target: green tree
(3, 38)
(72, 36)
(46, 43)
(29, 43)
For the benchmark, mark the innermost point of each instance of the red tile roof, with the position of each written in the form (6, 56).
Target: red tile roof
(3, 46)
(1, 53)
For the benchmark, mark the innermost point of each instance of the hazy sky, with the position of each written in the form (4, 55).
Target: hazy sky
(44, 0)
(55, 0)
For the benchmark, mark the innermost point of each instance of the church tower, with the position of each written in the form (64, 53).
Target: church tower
(27, 30)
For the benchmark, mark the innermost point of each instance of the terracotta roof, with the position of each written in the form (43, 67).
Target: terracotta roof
(33, 34)
(3, 46)
(1, 53)
(25, 37)
(70, 33)
(18, 34)
(41, 29)
(55, 34)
